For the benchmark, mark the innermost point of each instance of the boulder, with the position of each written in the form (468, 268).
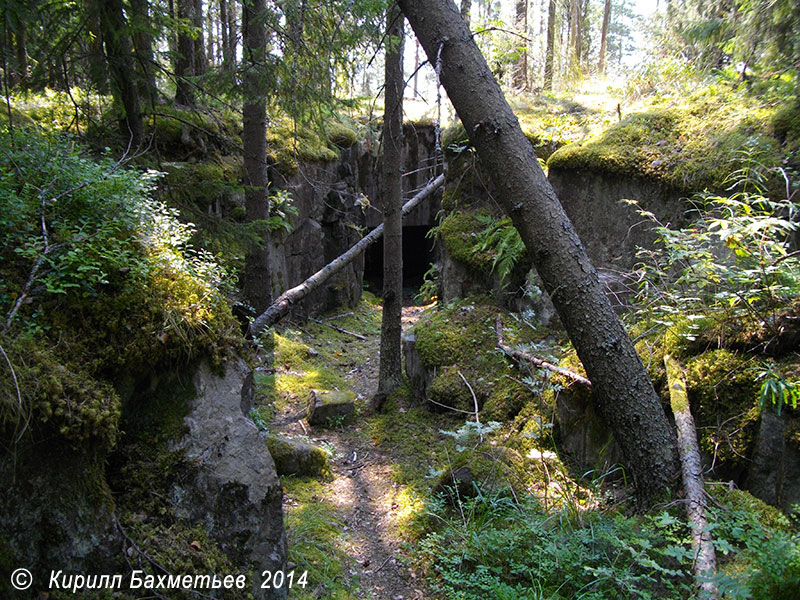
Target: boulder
(330, 408)
(233, 488)
(295, 457)
(774, 474)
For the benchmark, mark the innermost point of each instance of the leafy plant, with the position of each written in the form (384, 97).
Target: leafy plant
(734, 263)
(503, 240)
(281, 211)
(777, 390)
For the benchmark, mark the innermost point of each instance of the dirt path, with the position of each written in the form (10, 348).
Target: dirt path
(363, 492)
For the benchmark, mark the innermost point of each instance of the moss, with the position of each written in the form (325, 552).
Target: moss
(285, 455)
(200, 184)
(412, 435)
(315, 541)
(459, 232)
(288, 142)
(57, 396)
(461, 338)
(785, 126)
(767, 516)
(689, 147)
(724, 398)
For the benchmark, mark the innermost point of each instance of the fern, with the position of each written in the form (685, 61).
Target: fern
(503, 240)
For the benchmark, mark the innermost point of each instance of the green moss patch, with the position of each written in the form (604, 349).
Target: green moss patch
(689, 146)
(724, 398)
(316, 542)
(458, 342)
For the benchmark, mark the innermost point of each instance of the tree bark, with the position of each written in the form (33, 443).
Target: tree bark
(705, 564)
(280, 308)
(390, 374)
(466, 5)
(200, 61)
(227, 63)
(521, 66)
(604, 35)
(625, 395)
(257, 286)
(143, 46)
(118, 53)
(184, 60)
(575, 32)
(550, 48)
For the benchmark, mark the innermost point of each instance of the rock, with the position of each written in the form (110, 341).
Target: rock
(774, 475)
(55, 513)
(583, 434)
(419, 377)
(293, 457)
(330, 408)
(456, 484)
(233, 488)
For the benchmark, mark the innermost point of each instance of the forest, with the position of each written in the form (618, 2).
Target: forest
(400, 299)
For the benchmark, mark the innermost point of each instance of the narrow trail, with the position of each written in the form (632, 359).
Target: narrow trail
(364, 493)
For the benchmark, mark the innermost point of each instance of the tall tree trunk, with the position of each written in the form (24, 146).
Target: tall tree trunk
(184, 60)
(143, 46)
(257, 287)
(97, 68)
(623, 392)
(118, 53)
(604, 36)
(550, 48)
(390, 375)
(575, 33)
(200, 61)
(466, 5)
(521, 66)
(21, 53)
(227, 58)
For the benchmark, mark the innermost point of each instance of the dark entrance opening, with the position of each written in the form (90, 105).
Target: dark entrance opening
(417, 259)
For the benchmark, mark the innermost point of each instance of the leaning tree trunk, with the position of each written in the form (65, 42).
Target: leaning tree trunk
(624, 393)
(705, 562)
(257, 286)
(390, 374)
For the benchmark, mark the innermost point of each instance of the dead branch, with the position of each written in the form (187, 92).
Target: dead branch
(705, 564)
(339, 329)
(283, 304)
(521, 356)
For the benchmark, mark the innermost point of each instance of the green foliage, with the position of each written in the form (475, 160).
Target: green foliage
(503, 241)
(482, 242)
(777, 390)
(734, 262)
(96, 277)
(497, 547)
(515, 549)
(458, 341)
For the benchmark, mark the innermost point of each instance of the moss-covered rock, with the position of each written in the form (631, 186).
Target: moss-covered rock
(689, 147)
(724, 398)
(295, 457)
(330, 408)
(458, 344)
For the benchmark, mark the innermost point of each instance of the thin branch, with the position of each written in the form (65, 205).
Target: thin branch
(535, 360)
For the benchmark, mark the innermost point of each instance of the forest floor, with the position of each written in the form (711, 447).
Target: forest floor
(349, 528)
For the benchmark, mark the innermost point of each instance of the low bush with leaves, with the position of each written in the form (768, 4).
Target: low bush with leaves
(96, 276)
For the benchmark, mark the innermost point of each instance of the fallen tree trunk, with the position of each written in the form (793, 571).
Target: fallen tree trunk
(535, 360)
(705, 564)
(280, 308)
